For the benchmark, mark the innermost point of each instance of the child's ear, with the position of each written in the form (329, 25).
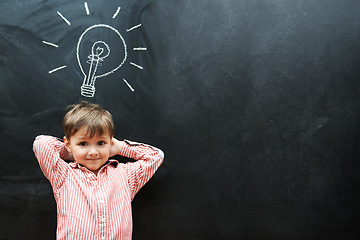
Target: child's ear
(67, 144)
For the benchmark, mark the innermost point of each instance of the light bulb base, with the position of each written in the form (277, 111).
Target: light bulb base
(87, 91)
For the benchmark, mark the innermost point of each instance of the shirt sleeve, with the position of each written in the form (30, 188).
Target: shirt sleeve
(49, 152)
(148, 161)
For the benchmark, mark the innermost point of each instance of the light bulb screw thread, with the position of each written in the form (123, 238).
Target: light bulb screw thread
(87, 90)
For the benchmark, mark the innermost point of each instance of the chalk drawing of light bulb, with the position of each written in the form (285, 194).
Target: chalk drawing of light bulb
(93, 54)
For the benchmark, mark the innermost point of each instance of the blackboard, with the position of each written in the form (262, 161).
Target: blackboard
(255, 104)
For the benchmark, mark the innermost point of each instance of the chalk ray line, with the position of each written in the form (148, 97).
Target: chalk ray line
(137, 26)
(117, 12)
(138, 66)
(67, 21)
(51, 44)
(140, 49)
(57, 69)
(86, 8)
(131, 88)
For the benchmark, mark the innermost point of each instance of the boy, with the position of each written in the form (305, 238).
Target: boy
(93, 194)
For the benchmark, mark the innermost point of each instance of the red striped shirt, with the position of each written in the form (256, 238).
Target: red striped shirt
(95, 207)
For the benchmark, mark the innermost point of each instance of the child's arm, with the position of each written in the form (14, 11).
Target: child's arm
(49, 152)
(148, 161)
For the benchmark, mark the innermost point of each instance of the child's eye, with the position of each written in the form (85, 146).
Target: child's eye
(101, 143)
(82, 144)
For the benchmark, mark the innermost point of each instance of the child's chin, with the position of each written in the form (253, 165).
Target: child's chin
(92, 168)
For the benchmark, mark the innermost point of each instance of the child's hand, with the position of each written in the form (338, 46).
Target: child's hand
(70, 157)
(116, 146)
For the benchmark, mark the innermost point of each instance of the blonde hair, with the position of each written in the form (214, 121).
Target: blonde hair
(96, 119)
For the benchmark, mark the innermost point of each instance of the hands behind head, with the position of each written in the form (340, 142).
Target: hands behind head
(116, 146)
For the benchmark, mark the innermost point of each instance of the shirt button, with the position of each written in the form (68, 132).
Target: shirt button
(103, 220)
(102, 201)
(103, 238)
(98, 186)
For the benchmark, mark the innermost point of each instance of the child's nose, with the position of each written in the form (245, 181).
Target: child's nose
(93, 151)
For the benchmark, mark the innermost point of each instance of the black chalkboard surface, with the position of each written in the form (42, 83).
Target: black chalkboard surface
(255, 103)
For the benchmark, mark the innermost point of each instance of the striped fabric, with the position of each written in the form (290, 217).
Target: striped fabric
(95, 207)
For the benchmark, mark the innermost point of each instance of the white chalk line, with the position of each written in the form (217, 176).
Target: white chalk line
(51, 44)
(137, 26)
(140, 49)
(86, 8)
(78, 49)
(117, 12)
(138, 66)
(57, 69)
(67, 21)
(128, 85)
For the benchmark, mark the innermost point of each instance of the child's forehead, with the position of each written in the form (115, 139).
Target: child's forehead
(87, 132)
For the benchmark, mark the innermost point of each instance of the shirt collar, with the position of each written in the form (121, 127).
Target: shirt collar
(111, 162)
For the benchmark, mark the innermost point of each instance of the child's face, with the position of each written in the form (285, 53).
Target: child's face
(91, 153)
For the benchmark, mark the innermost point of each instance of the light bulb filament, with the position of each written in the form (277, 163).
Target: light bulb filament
(95, 58)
